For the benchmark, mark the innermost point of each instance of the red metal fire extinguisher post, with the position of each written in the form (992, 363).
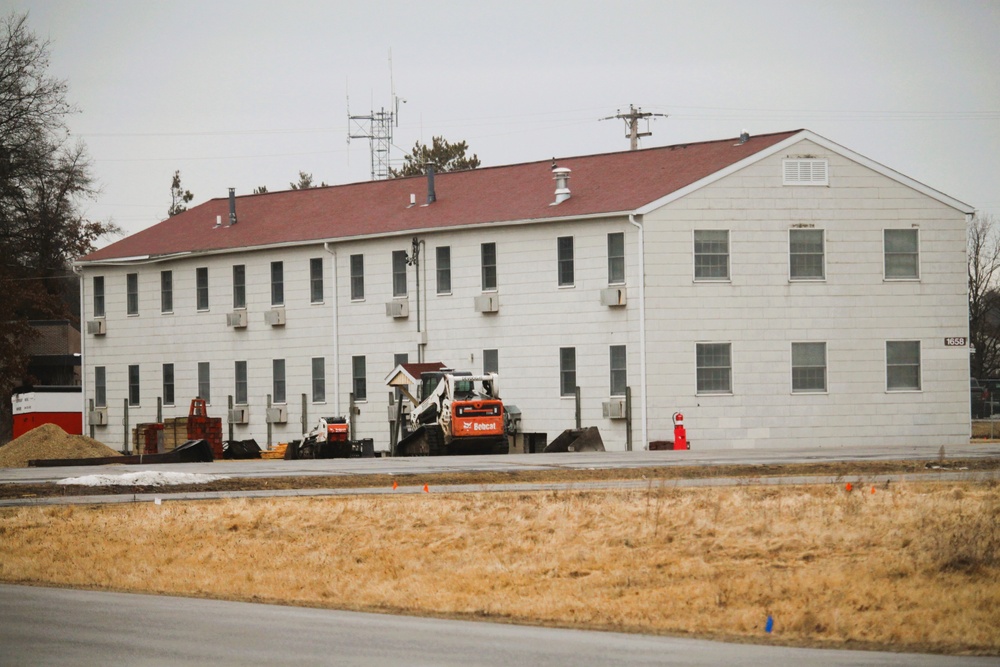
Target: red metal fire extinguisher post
(680, 433)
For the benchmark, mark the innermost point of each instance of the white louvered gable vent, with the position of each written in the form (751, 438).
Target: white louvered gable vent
(806, 171)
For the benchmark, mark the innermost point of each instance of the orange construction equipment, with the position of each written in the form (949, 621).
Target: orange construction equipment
(202, 427)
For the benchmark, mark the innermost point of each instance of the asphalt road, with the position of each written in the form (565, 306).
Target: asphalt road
(50, 626)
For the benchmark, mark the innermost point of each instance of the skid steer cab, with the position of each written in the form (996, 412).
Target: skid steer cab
(329, 440)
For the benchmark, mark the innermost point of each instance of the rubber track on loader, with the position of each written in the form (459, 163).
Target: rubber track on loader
(425, 441)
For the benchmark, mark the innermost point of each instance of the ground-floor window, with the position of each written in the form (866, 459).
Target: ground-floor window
(902, 365)
(715, 368)
(318, 379)
(359, 382)
(133, 385)
(808, 367)
(240, 390)
(567, 371)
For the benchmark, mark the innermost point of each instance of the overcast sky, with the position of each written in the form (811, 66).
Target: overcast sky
(248, 93)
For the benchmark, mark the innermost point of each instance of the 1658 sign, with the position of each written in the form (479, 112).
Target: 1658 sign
(955, 341)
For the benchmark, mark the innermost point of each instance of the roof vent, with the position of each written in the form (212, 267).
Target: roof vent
(561, 175)
(232, 206)
(431, 195)
(744, 137)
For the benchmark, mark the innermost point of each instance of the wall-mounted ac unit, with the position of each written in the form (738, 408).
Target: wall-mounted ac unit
(613, 296)
(277, 414)
(97, 327)
(98, 417)
(239, 416)
(275, 317)
(488, 303)
(614, 409)
(237, 319)
(397, 309)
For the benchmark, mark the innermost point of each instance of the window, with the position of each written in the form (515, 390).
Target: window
(98, 296)
(166, 291)
(132, 293)
(240, 390)
(489, 264)
(443, 269)
(567, 371)
(808, 367)
(902, 365)
(168, 384)
(564, 249)
(278, 380)
(201, 287)
(619, 373)
(399, 273)
(491, 361)
(318, 379)
(239, 286)
(714, 361)
(133, 385)
(901, 254)
(616, 258)
(805, 172)
(711, 254)
(359, 383)
(205, 381)
(100, 387)
(357, 277)
(398, 359)
(277, 284)
(805, 254)
(316, 280)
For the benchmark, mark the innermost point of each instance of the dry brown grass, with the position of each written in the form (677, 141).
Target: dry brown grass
(911, 567)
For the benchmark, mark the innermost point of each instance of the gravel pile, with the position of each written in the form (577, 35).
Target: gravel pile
(48, 441)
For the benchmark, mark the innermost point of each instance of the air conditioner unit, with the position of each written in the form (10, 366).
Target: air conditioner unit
(488, 303)
(237, 319)
(397, 309)
(97, 327)
(614, 409)
(239, 416)
(275, 317)
(277, 414)
(613, 296)
(98, 417)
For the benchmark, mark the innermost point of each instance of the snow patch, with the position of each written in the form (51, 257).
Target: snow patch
(143, 478)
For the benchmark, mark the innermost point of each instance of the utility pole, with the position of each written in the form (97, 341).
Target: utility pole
(632, 124)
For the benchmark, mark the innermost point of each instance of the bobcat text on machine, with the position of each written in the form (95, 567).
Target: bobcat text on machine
(455, 412)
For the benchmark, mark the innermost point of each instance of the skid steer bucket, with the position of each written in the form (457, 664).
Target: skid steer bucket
(577, 440)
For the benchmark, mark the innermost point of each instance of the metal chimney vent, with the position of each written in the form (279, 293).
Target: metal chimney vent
(561, 176)
(232, 206)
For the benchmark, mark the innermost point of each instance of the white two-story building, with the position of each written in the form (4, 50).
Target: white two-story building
(777, 290)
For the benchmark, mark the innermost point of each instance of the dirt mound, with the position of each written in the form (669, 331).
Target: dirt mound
(48, 441)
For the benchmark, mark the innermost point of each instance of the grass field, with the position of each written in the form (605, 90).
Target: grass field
(911, 567)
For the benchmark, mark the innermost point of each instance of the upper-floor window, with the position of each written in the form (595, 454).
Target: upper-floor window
(805, 171)
(711, 254)
(567, 371)
(808, 367)
(902, 365)
(357, 277)
(902, 254)
(488, 252)
(166, 291)
(98, 296)
(168, 384)
(201, 287)
(278, 380)
(132, 293)
(806, 254)
(564, 250)
(240, 390)
(239, 286)
(399, 273)
(714, 368)
(443, 263)
(316, 280)
(277, 283)
(616, 258)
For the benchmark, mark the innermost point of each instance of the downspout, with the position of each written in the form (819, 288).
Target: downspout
(422, 338)
(642, 327)
(78, 270)
(336, 328)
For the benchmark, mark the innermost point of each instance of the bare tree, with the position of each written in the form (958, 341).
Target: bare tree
(984, 297)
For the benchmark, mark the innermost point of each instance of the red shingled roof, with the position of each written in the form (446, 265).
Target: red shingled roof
(605, 183)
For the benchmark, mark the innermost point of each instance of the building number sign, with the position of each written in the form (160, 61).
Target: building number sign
(955, 341)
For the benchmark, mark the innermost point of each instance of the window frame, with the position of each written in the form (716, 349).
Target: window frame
(315, 280)
(239, 286)
(134, 386)
(399, 283)
(703, 372)
(704, 267)
(98, 301)
(618, 370)
(886, 255)
(131, 294)
(201, 288)
(565, 264)
(792, 255)
(166, 292)
(567, 372)
(279, 382)
(488, 266)
(442, 269)
(100, 386)
(357, 277)
(169, 394)
(205, 381)
(801, 378)
(889, 366)
(359, 378)
(318, 379)
(278, 283)
(241, 383)
(491, 361)
(616, 261)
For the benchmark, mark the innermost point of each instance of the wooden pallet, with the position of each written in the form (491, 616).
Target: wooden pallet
(277, 453)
